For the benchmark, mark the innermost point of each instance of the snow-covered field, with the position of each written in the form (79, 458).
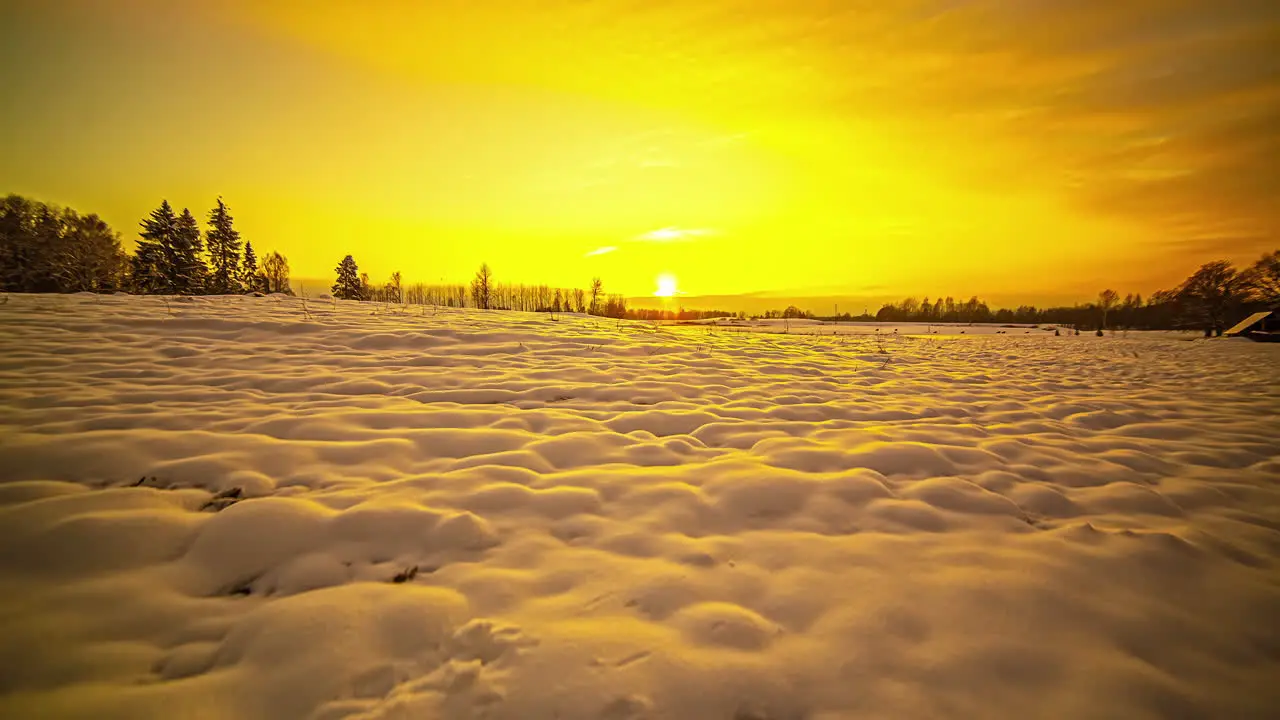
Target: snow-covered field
(235, 508)
(819, 327)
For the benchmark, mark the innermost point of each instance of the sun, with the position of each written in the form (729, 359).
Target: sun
(666, 286)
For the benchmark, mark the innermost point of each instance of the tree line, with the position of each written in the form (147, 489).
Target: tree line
(51, 249)
(1213, 298)
(483, 293)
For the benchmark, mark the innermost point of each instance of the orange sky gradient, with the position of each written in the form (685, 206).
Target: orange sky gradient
(1036, 149)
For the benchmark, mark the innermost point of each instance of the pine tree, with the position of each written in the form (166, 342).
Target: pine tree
(154, 262)
(348, 285)
(223, 242)
(144, 268)
(189, 270)
(249, 278)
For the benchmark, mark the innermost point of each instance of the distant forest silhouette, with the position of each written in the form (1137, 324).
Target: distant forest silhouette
(49, 249)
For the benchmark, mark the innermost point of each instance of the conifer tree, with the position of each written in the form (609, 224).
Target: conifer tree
(348, 286)
(249, 278)
(223, 242)
(189, 270)
(144, 268)
(154, 262)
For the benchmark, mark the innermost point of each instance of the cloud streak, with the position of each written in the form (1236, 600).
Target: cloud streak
(672, 235)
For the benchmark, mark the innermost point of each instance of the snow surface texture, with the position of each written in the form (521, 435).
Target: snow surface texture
(351, 512)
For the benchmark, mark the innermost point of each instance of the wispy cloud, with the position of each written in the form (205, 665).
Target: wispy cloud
(673, 234)
(661, 235)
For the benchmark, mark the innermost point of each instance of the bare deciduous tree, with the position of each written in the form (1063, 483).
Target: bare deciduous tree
(482, 287)
(597, 289)
(88, 257)
(275, 269)
(395, 289)
(46, 248)
(1264, 277)
(1214, 291)
(1107, 299)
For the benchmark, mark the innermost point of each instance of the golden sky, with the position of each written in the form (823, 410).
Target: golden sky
(1010, 148)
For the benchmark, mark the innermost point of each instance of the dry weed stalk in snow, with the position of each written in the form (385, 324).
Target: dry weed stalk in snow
(482, 515)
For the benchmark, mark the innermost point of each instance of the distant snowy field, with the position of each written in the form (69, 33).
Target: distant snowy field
(818, 327)
(347, 512)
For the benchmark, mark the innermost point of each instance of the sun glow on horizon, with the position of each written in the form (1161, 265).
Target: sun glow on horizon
(666, 286)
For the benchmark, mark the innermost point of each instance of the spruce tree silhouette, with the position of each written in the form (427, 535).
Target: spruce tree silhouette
(187, 276)
(250, 279)
(348, 286)
(154, 260)
(223, 243)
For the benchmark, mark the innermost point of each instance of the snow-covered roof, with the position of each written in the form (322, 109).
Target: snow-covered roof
(1244, 325)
